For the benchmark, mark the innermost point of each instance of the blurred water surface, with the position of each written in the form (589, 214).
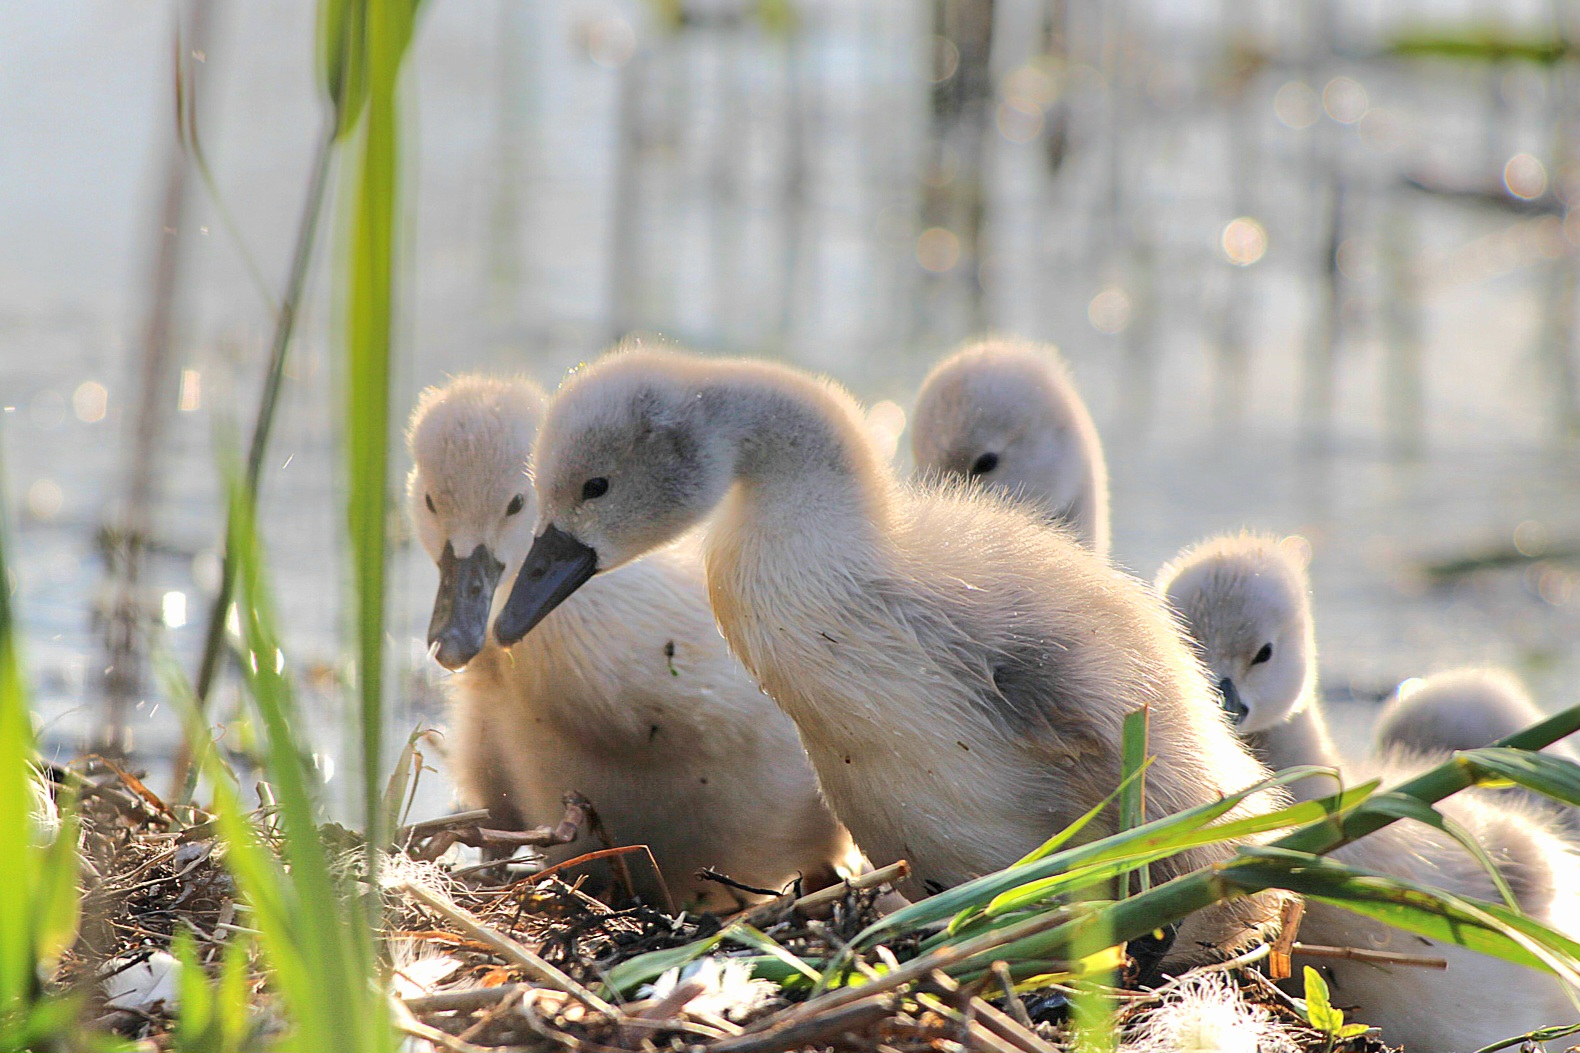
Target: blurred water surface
(1152, 187)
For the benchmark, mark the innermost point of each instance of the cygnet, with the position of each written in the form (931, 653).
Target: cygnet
(1244, 599)
(1459, 709)
(1006, 412)
(628, 695)
(959, 673)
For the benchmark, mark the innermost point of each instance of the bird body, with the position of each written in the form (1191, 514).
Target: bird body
(1459, 709)
(627, 695)
(959, 673)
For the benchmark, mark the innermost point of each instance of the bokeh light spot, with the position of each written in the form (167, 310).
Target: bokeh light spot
(937, 250)
(1109, 311)
(1019, 121)
(611, 41)
(1530, 538)
(173, 609)
(191, 397)
(1297, 105)
(946, 59)
(1344, 99)
(90, 401)
(1244, 241)
(1525, 176)
(44, 499)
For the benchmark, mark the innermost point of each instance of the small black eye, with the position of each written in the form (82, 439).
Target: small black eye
(594, 488)
(984, 464)
(429, 498)
(1264, 655)
(517, 503)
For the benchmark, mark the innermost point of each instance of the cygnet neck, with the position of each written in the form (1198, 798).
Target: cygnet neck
(1302, 739)
(799, 451)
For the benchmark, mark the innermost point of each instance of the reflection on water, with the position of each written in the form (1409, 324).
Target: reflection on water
(1273, 326)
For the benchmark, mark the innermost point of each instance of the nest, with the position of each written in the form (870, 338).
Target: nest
(488, 957)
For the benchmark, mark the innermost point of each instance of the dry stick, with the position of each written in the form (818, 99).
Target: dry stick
(917, 968)
(1357, 954)
(511, 950)
(405, 1021)
(892, 874)
(284, 328)
(466, 1000)
(980, 1016)
(862, 1013)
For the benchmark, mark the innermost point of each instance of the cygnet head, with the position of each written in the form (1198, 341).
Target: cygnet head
(623, 465)
(1243, 600)
(1457, 709)
(1006, 412)
(470, 499)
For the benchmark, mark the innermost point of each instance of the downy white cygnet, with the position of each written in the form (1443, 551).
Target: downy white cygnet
(959, 673)
(628, 694)
(1006, 412)
(1245, 600)
(1459, 709)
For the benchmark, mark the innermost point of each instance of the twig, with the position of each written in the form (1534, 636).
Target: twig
(1293, 910)
(511, 950)
(408, 1023)
(808, 1032)
(464, 1000)
(917, 968)
(892, 874)
(1017, 1008)
(1357, 954)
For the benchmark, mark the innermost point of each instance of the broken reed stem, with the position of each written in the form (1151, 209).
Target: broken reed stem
(510, 950)
(1357, 954)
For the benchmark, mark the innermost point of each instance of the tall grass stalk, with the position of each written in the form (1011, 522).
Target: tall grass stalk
(374, 61)
(314, 936)
(41, 906)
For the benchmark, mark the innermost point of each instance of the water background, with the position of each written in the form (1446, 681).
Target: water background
(576, 170)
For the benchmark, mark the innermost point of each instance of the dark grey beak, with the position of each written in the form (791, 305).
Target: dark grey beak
(460, 610)
(1229, 699)
(557, 566)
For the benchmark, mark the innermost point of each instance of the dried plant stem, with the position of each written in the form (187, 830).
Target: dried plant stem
(510, 950)
(1357, 954)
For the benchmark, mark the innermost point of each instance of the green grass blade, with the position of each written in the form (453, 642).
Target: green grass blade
(1191, 828)
(368, 325)
(1555, 777)
(1133, 788)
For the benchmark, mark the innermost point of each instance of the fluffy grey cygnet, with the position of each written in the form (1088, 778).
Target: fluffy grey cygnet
(1006, 413)
(1459, 709)
(1245, 600)
(627, 695)
(959, 673)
